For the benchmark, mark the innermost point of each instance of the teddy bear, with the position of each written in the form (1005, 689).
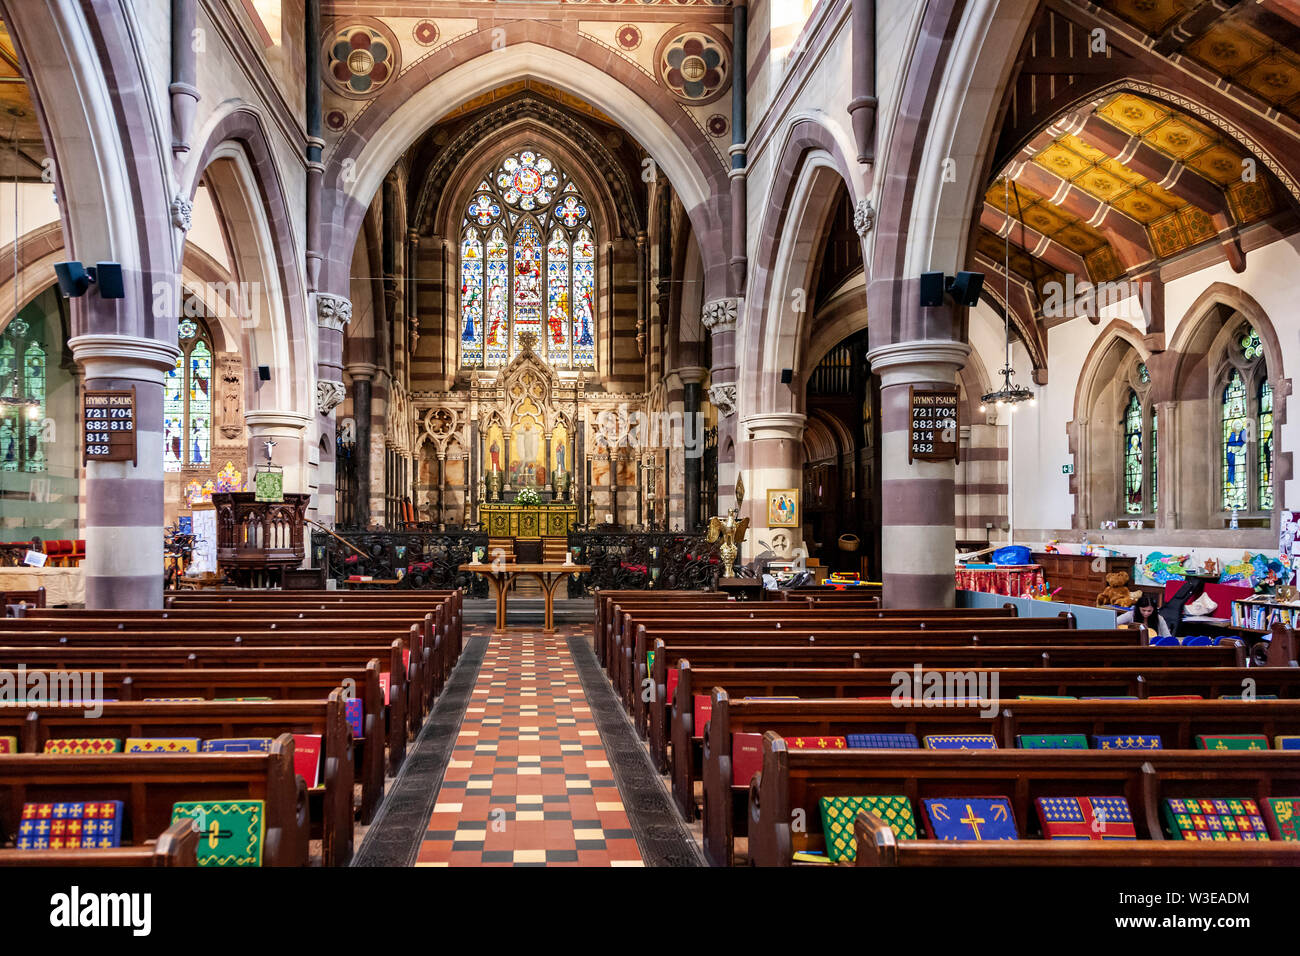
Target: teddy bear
(1115, 592)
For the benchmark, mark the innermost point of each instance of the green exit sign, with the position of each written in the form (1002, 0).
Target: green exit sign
(1067, 469)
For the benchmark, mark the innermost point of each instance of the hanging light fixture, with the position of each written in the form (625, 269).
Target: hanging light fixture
(1010, 394)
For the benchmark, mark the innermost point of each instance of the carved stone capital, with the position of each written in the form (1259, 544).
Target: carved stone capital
(723, 397)
(333, 311)
(864, 217)
(720, 315)
(329, 395)
(182, 213)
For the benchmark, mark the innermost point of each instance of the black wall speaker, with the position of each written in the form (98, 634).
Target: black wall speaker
(787, 376)
(966, 288)
(264, 373)
(931, 289)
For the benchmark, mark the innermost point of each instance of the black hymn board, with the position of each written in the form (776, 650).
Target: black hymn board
(108, 424)
(935, 424)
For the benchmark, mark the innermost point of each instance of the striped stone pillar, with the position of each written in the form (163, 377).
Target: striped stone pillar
(775, 463)
(124, 501)
(719, 317)
(918, 537)
(333, 313)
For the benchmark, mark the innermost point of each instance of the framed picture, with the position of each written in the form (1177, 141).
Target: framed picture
(783, 507)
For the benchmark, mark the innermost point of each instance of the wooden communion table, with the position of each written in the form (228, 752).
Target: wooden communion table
(500, 576)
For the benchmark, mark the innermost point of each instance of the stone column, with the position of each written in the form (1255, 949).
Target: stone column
(776, 462)
(692, 443)
(333, 313)
(124, 501)
(362, 375)
(719, 317)
(918, 536)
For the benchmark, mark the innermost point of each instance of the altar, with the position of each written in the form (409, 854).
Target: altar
(510, 520)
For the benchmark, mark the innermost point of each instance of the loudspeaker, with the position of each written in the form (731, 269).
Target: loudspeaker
(74, 280)
(966, 287)
(787, 376)
(264, 373)
(931, 289)
(108, 276)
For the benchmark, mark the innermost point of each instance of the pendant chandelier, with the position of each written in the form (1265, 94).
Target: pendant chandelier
(1010, 394)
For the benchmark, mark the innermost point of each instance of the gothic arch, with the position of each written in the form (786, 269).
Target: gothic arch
(803, 196)
(236, 162)
(469, 67)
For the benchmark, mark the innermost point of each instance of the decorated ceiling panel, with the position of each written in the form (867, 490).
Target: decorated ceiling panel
(1173, 224)
(1243, 44)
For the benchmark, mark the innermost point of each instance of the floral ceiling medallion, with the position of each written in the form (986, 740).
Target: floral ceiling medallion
(361, 59)
(694, 62)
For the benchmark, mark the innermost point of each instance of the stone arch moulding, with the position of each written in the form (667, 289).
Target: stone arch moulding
(257, 195)
(462, 70)
(923, 220)
(114, 207)
(38, 250)
(586, 156)
(802, 198)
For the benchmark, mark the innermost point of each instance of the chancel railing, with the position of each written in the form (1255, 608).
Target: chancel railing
(655, 560)
(413, 559)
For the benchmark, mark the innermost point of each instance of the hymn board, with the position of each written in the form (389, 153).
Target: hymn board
(935, 424)
(108, 424)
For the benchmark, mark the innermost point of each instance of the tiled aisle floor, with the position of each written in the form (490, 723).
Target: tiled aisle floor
(528, 782)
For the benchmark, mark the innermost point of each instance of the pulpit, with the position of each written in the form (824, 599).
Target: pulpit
(258, 541)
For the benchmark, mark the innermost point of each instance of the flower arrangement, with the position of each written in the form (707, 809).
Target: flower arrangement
(528, 496)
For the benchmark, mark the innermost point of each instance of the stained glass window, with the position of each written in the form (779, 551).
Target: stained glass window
(1249, 343)
(1133, 455)
(1233, 449)
(1265, 431)
(527, 265)
(187, 401)
(557, 298)
(22, 389)
(471, 299)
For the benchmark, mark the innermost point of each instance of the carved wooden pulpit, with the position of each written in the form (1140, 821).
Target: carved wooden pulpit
(257, 541)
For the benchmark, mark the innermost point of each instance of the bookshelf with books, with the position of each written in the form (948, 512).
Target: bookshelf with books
(1262, 613)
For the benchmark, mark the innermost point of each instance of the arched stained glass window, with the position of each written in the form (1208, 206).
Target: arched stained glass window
(1133, 455)
(1264, 431)
(1233, 456)
(22, 396)
(527, 265)
(187, 400)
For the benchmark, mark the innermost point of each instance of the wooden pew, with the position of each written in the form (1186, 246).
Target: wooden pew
(882, 849)
(667, 661)
(434, 643)
(306, 683)
(792, 782)
(623, 621)
(308, 635)
(795, 681)
(604, 601)
(207, 720)
(1177, 723)
(449, 603)
(149, 784)
(176, 846)
(637, 682)
(243, 659)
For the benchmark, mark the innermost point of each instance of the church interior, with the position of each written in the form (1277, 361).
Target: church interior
(649, 433)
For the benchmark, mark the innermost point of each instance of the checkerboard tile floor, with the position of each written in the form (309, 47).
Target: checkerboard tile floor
(529, 782)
